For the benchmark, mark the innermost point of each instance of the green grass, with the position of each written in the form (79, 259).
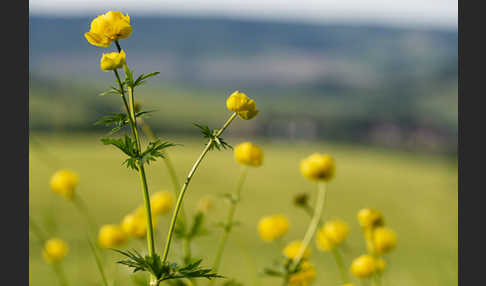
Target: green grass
(416, 193)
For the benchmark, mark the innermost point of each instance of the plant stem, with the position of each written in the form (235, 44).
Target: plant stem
(340, 265)
(83, 210)
(60, 274)
(37, 230)
(98, 261)
(311, 230)
(186, 184)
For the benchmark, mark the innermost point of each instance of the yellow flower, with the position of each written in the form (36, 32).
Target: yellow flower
(332, 234)
(242, 104)
(273, 227)
(369, 218)
(112, 61)
(161, 202)
(107, 28)
(348, 284)
(55, 250)
(380, 264)
(135, 223)
(111, 235)
(64, 182)
(247, 153)
(305, 276)
(292, 249)
(318, 167)
(363, 266)
(205, 204)
(384, 240)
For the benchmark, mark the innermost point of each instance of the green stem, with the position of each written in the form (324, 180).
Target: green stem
(146, 199)
(186, 184)
(60, 274)
(83, 210)
(340, 265)
(37, 230)
(98, 261)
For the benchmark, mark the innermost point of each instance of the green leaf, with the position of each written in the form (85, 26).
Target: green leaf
(215, 141)
(118, 120)
(127, 146)
(154, 150)
(141, 79)
(197, 226)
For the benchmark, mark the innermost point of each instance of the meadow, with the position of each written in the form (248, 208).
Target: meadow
(417, 193)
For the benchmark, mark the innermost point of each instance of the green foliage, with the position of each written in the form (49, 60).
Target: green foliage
(215, 141)
(154, 151)
(282, 269)
(197, 228)
(232, 282)
(113, 90)
(118, 120)
(141, 79)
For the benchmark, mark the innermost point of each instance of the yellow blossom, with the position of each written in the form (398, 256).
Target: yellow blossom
(247, 153)
(55, 250)
(109, 27)
(205, 204)
(305, 276)
(331, 234)
(363, 266)
(369, 218)
(292, 249)
(348, 284)
(242, 104)
(161, 202)
(272, 227)
(384, 240)
(380, 265)
(318, 167)
(64, 182)
(111, 235)
(112, 61)
(135, 223)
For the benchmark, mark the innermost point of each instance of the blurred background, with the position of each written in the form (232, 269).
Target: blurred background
(373, 83)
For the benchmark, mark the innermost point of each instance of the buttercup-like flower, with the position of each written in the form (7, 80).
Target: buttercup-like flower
(111, 235)
(369, 218)
(332, 234)
(305, 276)
(249, 154)
(272, 227)
(107, 28)
(384, 240)
(380, 264)
(64, 182)
(112, 61)
(363, 266)
(318, 167)
(161, 202)
(242, 104)
(55, 250)
(134, 225)
(292, 249)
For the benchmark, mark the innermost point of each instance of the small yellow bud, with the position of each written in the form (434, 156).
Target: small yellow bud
(292, 249)
(384, 240)
(249, 154)
(134, 225)
(363, 266)
(369, 218)
(305, 276)
(54, 250)
(161, 202)
(64, 182)
(332, 234)
(272, 227)
(112, 61)
(242, 104)
(318, 167)
(205, 204)
(107, 28)
(110, 236)
(380, 265)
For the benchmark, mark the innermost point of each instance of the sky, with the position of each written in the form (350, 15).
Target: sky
(418, 13)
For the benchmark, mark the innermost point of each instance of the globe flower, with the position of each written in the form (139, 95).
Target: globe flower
(384, 240)
(111, 235)
(64, 182)
(134, 225)
(249, 154)
(55, 250)
(240, 103)
(331, 234)
(107, 28)
(161, 202)
(112, 61)
(292, 249)
(272, 227)
(380, 265)
(369, 218)
(305, 276)
(318, 167)
(363, 266)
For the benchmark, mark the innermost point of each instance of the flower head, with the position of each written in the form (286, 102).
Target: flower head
(161, 202)
(332, 234)
(305, 276)
(370, 218)
(380, 265)
(242, 104)
(318, 167)
(292, 249)
(55, 250)
(64, 182)
(363, 266)
(135, 223)
(111, 235)
(249, 154)
(272, 227)
(384, 240)
(107, 28)
(112, 61)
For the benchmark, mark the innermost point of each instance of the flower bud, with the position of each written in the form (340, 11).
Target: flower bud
(363, 266)
(54, 250)
(380, 265)
(272, 227)
(305, 276)
(205, 204)
(292, 249)
(161, 202)
(112, 61)
(332, 234)
(384, 240)
(240, 103)
(134, 225)
(318, 167)
(107, 28)
(301, 200)
(370, 218)
(64, 182)
(110, 236)
(249, 154)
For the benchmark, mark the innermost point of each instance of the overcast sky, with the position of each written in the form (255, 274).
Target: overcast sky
(419, 13)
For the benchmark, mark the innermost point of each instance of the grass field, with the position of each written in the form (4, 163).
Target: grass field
(416, 193)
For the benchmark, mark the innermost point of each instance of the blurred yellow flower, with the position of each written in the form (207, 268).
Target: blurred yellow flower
(242, 104)
(249, 154)
(161, 202)
(134, 225)
(380, 264)
(292, 249)
(318, 167)
(384, 240)
(363, 266)
(272, 227)
(55, 250)
(107, 28)
(205, 204)
(305, 276)
(112, 61)
(331, 234)
(348, 284)
(64, 182)
(369, 218)
(111, 235)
